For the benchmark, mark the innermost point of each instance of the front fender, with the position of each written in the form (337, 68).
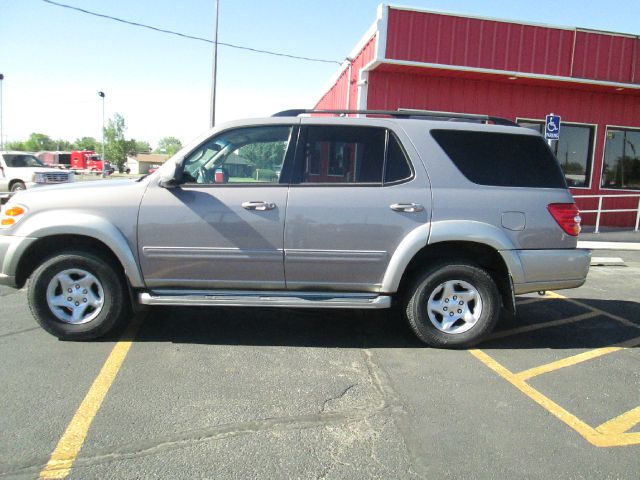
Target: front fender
(46, 224)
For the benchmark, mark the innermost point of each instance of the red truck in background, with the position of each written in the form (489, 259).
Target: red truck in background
(78, 160)
(87, 160)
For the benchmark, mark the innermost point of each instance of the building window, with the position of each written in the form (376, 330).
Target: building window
(574, 150)
(621, 166)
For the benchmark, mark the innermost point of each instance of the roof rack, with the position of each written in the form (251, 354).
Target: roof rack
(404, 113)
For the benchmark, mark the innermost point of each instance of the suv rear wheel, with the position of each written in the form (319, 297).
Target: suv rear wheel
(453, 305)
(77, 295)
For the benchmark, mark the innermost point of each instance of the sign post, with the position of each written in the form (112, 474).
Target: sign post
(552, 128)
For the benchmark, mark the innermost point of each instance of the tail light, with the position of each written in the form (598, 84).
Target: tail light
(567, 215)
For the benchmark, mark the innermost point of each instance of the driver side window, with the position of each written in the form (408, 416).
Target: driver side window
(240, 156)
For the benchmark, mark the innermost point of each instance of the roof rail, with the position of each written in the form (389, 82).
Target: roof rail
(404, 113)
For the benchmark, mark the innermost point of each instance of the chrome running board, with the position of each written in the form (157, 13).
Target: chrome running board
(235, 298)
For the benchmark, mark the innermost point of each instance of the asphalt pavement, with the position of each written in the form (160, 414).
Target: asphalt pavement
(268, 393)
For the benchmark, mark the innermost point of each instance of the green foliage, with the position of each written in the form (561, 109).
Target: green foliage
(267, 155)
(116, 147)
(17, 145)
(142, 147)
(39, 141)
(168, 145)
(86, 143)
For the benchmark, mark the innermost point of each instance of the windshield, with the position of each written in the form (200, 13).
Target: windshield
(18, 160)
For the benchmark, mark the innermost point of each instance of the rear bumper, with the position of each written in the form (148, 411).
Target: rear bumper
(536, 270)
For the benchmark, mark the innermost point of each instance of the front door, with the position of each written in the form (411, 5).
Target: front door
(223, 226)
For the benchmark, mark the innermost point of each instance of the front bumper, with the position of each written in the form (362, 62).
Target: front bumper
(11, 249)
(538, 270)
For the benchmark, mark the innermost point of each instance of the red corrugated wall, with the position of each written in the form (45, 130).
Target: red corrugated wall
(336, 97)
(392, 90)
(472, 42)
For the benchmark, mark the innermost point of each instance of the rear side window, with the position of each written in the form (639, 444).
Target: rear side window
(501, 159)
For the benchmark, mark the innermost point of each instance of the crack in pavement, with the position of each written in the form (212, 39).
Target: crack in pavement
(338, 397)
(192, 437)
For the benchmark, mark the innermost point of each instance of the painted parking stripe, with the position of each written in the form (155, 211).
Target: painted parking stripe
(541, 326)
(576, 359)
(606, 435)
(623, 321)
(65, 453)
(622, 423)
(612, 433)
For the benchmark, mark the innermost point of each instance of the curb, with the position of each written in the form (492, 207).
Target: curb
(609, 245)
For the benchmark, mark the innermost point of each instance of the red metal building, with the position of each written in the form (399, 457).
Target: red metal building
(429, 60)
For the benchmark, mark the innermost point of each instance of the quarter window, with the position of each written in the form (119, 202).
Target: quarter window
(621, 166)
(501, 159)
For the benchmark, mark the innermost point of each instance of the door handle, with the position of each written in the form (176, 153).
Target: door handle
(407, 207)
(261, 206)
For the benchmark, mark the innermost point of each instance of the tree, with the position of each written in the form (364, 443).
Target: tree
(142, 147)
(63, 145)
(116, 147)
(17, 145)
(39, 141)
(168, 145)
(86, 143)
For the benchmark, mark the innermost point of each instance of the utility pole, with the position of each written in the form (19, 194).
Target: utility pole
(104, 162)
(215, 68)
(1, 131)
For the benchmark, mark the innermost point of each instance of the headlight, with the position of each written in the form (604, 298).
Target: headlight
(12, 215)
(39, 178)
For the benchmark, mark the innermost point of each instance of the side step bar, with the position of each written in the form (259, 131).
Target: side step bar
(265, 299)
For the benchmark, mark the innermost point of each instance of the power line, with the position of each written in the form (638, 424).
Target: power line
(190, 37)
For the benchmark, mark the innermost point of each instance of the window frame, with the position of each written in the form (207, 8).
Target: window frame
(594, 142)
(604, 147)
(287, 164)
(300, 160)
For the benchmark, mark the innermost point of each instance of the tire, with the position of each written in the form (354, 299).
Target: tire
(18, 187)
(469, 289)
(64, 283)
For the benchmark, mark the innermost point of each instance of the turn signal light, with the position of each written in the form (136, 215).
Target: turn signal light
(15, 211)
(12, 215)
(568, 217)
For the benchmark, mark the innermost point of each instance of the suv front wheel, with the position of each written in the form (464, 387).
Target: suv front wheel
(77, 295)
(453, 305)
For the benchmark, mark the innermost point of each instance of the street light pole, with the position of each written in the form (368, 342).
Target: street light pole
(101, 94)
(1, 131)
(215, 69)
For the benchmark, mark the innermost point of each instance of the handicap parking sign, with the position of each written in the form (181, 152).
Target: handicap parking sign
(552, 127)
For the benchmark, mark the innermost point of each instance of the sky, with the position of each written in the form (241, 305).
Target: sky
(55, 60)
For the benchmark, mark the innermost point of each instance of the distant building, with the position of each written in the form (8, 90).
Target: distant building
(420, 59)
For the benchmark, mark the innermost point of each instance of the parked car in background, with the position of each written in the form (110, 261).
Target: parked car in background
(21, 170)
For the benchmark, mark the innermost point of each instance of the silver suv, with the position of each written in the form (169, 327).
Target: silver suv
(447, 220)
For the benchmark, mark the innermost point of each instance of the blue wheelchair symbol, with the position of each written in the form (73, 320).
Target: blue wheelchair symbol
(552, 127)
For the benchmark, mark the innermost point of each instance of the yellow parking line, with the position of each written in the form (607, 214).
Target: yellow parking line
(576, 359)
(540, 326)
(617, 318)
(621, 423)
(65, 453)
(589, 433)
(528, 300)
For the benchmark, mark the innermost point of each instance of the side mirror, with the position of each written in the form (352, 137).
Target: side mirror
(170, 176)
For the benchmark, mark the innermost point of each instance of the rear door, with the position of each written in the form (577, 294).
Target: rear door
(355, 195)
